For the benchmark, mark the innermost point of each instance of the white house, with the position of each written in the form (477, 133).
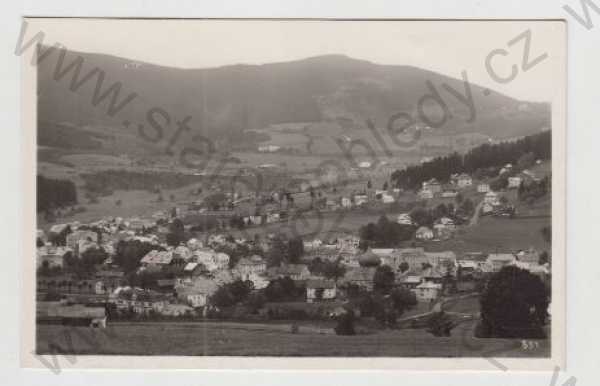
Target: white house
(273, 217)
(514, 182)
(483, 188)
(507, 168)
(346, 202)
(464, 180)
(247, 266)
(487, 208)
(427, 291)
(449, 194)
(73, 239)
(446, 221)
(424, 233)
(320, 290)
(404, 219)
(433, 185)
(51, 256)
(268, 148)
(497, 261)
(491, 198)
(387, 198)
(360, 199)
(312, 245)
(348, 242)
(426, 194)
(259, 281)
(197, 292)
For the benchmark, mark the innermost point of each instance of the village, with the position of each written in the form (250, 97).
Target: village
(160, 268)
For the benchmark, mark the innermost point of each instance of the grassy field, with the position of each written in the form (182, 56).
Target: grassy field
(499, 234)
(244, 339)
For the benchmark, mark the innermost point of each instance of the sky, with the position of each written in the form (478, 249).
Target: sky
(447, 47)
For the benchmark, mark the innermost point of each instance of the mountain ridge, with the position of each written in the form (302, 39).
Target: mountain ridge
(229, 100)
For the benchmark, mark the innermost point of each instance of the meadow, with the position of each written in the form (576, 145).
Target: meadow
(245, 339)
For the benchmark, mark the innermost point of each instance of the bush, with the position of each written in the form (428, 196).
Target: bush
(440, 324)
(345, 323)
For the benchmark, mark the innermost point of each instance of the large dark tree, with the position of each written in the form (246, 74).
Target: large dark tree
(334, 269)
(383, 280)
(295, 249)
(232, 293)
(128, 253)
(385, 233)
(176, 233)
(345, 323)
(514, 305)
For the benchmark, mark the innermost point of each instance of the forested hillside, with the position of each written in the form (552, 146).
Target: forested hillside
(482, 160)
(54, 193)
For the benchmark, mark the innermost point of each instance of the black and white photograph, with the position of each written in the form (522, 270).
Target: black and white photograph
(296, 189)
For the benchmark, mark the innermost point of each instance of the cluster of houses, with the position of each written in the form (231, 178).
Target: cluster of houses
(443, 228)
(459, 181)
(186, 276)
(434, 188)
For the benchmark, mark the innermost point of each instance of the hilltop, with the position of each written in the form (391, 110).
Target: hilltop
(227, 102)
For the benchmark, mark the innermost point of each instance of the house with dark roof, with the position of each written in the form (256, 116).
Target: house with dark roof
(320, 290)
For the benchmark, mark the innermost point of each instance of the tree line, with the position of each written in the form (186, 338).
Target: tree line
(54, 193)
(105, 182)
(477, 160)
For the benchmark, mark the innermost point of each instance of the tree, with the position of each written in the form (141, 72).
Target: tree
(544, 258)
(333, 269)
(421, 217)
(128, 253)
(467, 207)
(255, 301)
(440, 324)
(441, 211)
(383, 280)
(316, 266)
(513, 305)
(283, 289)
(547, 233)
(404, 266)
(278, 251)
(369, 184)
(385, 233)
(295, 249)
(345, 323)
(385, 186)
(526, 161)
(54, 193)
(176, 233)
(91, 257)
(60, 238)
(403, 299)
(232, 293)
(215, 200)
